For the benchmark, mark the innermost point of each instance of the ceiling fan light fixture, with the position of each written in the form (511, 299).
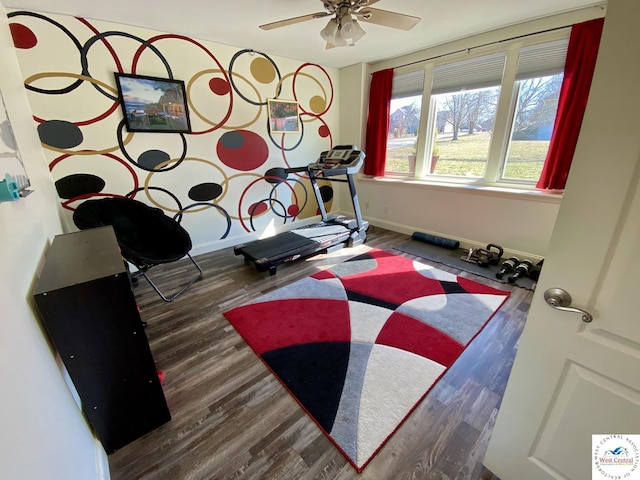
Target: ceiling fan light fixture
(330, 32)
(347, 26)
(339, 40)
(356, 34)
(342, 31)
(343, 28)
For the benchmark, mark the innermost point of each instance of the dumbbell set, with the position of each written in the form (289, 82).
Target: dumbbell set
(519, 269)
(492, 255)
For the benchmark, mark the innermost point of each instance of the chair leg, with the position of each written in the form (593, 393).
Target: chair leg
(143, 271)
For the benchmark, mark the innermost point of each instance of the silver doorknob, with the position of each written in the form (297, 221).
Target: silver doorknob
(561, 300)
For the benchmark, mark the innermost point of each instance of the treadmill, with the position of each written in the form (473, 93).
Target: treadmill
(340, 164)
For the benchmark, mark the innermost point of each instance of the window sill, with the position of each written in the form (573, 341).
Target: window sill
(501, 191)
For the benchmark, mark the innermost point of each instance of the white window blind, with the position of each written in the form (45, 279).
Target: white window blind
(533, 61)
(479, 72)
(408, 84)
(542, 59)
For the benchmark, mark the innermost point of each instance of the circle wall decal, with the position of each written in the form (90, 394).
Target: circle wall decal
(262, 70)
(242, 150)
(205, 192)
(23, 36)
(219, 86)
(60, 134)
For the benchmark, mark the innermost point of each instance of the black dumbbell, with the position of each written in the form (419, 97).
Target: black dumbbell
(509, 265)
(521, 270)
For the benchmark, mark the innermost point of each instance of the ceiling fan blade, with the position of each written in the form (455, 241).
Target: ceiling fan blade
(294, 20)
(387, 19)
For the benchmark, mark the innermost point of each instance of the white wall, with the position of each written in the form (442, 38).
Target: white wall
(520, 223)
(44, 435)
(353, 105)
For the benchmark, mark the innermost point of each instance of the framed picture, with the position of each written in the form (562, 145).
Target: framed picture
(151, 104)
(283, 116)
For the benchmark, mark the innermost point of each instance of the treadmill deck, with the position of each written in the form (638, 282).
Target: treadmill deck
(268, 253)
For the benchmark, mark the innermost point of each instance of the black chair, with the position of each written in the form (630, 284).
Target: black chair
(146, 236)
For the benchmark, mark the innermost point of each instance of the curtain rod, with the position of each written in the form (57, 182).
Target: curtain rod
(601, 6)
(468, 49)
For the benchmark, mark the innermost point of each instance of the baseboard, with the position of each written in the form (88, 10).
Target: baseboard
(101, 458)
(215, 245)
(102, 462)
(465, 243)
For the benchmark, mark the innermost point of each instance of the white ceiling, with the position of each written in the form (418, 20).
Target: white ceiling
(236, 22)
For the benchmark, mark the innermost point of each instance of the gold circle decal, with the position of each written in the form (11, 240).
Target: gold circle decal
(262, 70)
(317, 104)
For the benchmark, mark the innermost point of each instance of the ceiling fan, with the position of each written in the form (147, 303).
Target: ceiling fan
(344, 28)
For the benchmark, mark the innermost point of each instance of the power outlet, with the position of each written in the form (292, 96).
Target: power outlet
(386, 209)
(366, 205)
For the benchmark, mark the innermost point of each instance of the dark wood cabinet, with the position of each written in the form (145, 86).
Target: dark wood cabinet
(90, 313)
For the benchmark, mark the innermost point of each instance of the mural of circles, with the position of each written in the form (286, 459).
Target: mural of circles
(219, 86)
(263, 70)
(23, 36)
(78, 184)
(276, 175)
(242, 150)
(205, 192)
(60, 134)
(73, 186)
(150, 159)
(68, 64)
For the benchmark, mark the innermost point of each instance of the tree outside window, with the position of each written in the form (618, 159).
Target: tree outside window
(465, 123)
(532, 127)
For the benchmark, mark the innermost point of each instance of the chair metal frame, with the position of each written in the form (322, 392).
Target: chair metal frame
(142, 272)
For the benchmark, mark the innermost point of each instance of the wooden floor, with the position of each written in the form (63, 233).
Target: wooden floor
(233, 420)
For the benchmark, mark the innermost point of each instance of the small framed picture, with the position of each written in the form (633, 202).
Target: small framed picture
(151, 104)
(283, 116)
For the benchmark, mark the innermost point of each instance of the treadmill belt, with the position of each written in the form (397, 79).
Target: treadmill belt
(278, 246)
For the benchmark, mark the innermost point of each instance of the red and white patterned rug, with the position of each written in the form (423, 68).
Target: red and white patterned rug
(361, 344)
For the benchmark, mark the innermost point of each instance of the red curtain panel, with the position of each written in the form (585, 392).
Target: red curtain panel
(378, 122)
(582, 53)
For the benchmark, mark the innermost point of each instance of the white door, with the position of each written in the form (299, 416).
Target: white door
(572, 379)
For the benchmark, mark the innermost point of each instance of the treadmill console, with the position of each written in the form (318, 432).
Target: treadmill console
(339, 160)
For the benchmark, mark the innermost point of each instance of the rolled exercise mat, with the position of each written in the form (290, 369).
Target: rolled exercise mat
(435, 240)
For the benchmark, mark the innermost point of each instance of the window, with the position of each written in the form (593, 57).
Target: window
(402, 143)
(404, 122)
(538, 81)
(531, 129)
(476, 135)
(463, 125)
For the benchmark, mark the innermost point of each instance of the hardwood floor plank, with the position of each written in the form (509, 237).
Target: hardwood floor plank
(231, 419)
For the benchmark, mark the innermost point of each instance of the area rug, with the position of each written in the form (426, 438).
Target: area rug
(361, 344)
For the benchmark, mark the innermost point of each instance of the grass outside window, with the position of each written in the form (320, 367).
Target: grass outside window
(467, 156)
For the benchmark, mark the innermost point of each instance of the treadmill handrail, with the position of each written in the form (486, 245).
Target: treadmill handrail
(349, 169)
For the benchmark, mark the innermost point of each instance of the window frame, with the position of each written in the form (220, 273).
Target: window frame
(501, 134)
